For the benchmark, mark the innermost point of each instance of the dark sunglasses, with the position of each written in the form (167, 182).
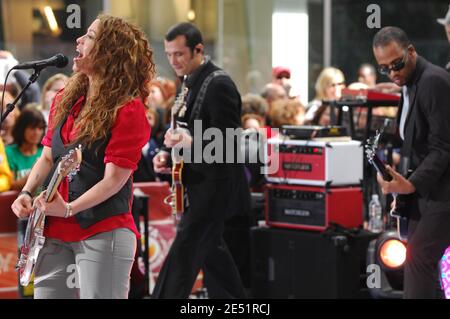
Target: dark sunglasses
(385, 70)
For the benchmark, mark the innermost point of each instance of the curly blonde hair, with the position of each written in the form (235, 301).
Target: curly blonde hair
(122, 66)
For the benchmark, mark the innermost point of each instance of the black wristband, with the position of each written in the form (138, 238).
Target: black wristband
(26, 193)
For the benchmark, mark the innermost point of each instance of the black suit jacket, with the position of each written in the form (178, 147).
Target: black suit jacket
(429, 98)
(221, 109)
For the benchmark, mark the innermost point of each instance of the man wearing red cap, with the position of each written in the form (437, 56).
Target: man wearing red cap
(282, 76)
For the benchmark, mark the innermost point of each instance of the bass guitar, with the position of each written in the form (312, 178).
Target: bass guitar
(401, 208)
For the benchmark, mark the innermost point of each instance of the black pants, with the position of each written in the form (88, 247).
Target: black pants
(428, 238)
(199, 245)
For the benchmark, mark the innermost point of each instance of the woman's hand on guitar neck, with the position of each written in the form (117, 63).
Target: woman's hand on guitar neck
(22, 207)
(398, 184)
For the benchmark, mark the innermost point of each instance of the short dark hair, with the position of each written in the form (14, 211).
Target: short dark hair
(29, 117)
(192, 34)
(391, 34)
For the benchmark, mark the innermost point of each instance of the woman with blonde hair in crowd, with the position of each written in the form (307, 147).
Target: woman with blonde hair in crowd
(52, 86)
(329, 87)
(89, 222)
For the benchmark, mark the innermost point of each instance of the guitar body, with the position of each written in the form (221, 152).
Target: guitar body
(402, 202)
(402, 228)
(178, 189)
(400, 212)
(176, 199)
(34, 238)
(33, 242)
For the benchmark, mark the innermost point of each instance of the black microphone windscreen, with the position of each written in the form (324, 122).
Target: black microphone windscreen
(62, 60)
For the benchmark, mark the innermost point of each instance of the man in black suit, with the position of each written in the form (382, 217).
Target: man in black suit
(424, 120)
(216, 190)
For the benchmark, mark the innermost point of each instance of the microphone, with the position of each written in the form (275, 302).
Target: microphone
(58, 60)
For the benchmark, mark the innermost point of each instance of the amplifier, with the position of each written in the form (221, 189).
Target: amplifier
(317, 163)
(307, 132)
(287, 264)
(313, 208)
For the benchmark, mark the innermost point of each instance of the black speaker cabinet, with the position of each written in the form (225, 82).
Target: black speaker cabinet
(302, 264)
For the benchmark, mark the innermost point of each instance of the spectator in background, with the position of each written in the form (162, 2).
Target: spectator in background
(258, 108)
(282, 76)
(273, 92)
(52, 86)
(161, 98)
(10, 120)
(28, 132)
(322, 116)
(145, 171)
(446, 23)
(329, 87)
(254, 104)
(17, 80)
(5, 172)
(162, 93)
(252, 121)
(287, 112)
(367, 75)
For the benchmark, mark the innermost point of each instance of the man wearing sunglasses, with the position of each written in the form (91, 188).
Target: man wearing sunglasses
(424, 125)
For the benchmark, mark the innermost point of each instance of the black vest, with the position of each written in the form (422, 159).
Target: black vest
(91, 171)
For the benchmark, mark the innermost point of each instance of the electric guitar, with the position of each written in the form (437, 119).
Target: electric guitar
(401, 207)
(34, 235)
(176, 199)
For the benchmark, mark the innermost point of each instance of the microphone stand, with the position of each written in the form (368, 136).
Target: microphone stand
(10, 106)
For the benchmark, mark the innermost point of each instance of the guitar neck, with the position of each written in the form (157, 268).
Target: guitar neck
(381, 168)
(53, 185)
(51, 191)
(173, 123)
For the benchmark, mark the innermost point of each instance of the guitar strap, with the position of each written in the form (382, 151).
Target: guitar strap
(202, 93)
(198, 105)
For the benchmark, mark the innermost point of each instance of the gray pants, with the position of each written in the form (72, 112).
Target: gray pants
(98, 267)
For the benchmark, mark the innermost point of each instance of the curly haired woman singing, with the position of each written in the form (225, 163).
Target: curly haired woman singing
(89, 227)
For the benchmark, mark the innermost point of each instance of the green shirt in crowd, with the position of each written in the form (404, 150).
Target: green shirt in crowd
(20, 164)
